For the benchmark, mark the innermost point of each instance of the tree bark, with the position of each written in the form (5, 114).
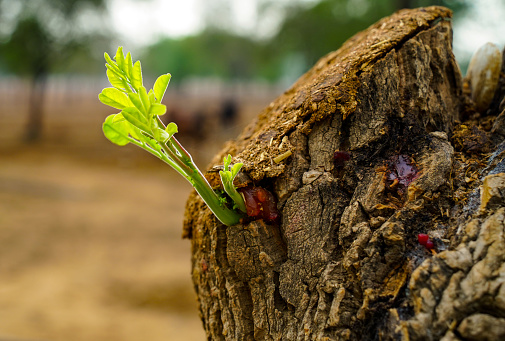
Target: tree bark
(344, 263)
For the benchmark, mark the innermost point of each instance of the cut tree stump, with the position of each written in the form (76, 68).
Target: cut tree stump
(345, 262)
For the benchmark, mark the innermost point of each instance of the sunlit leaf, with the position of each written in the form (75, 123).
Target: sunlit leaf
(129, 65)
(114, 98)
(120, 58)
(137, 76)
(112, 64)
(114, 80)
(235, 169)
(133, 116)
(144, 98)
(150, 94)
(160, 134)
(119, 76)
(154, 145)
(136, 133)
(160, 86)
(115, 128)
(171, 128)
(115, 70)
(227, 162)
(158, 109)
(135, 99)
(108, 59)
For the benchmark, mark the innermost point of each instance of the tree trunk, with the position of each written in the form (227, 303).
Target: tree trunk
(345, 263)
(36, 108)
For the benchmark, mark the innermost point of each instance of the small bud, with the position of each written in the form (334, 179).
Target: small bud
(429, 245)
(423, 238)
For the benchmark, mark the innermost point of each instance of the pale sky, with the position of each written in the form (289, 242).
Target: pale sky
(141, 22)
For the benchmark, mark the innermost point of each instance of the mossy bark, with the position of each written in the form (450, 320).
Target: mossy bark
(344, 263)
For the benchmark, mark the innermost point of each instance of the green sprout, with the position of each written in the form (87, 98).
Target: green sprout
(139, 123)
(227, 176)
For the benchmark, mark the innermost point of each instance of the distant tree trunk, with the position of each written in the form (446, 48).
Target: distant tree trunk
(414, 3)
(345, 262)
(36, 108)
(405, 3)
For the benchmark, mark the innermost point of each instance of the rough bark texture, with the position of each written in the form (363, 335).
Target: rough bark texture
(344, 263)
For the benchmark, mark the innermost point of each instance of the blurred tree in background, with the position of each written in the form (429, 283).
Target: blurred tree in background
(213, 52)
(307, 32)
(46, 36)
(39, 37)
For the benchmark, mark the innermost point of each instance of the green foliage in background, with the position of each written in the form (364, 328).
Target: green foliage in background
(42, 39)
(307, 32)
(43, 35)
(212, 53)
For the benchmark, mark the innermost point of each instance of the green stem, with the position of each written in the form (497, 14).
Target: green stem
(172, 154)
(161, 156)
(225, 215)
(232, 192)
(190, 171)
(186, 157)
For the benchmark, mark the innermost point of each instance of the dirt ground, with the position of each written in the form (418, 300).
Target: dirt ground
(90, 235)
(89, 252)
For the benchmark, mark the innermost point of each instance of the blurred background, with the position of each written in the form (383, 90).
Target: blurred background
(90, 233)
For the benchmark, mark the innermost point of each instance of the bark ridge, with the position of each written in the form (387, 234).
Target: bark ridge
(344, 263)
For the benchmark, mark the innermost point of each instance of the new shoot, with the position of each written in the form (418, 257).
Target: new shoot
(139, 123)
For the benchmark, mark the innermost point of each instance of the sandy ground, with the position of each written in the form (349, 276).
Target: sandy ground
(93, 252)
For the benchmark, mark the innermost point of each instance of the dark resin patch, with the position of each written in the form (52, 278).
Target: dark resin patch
(260, 204)
(340, 158)
(401, 172)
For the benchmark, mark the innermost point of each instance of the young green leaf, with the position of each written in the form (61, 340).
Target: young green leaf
(227, 162)
(114, 80)
(145, 99)
(135, 99)
(155, 146)
(227, 176)
(115, 128)
(108, 59)
(110, 62)
(235, 169)
(120, 58)
(114, 98)
(123, 85)
(171, 128)
(137, 76)
(158, 109)
(158, 133)
(129, 65)
(150, 94)
(136, 133)
(114, 69)
(160, 86)
(138, 120)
